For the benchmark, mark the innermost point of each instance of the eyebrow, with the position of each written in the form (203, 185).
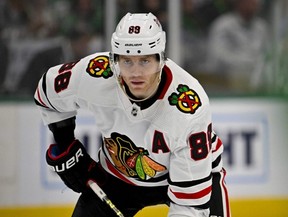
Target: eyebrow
(142, 56)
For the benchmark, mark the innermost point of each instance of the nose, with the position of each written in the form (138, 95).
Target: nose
(136, 70)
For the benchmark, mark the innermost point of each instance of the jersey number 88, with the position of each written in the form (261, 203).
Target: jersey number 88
(200, 144)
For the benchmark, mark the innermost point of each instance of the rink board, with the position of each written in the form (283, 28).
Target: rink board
(254, 133)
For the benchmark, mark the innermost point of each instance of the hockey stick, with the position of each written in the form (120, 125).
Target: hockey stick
(101, 194)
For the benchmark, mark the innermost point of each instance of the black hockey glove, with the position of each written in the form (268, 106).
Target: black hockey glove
(74, 166)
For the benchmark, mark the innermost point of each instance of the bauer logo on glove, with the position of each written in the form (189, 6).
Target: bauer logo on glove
(74, 166)
(69, 163)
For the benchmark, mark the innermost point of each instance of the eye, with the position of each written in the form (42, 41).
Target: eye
(127, 61)
(144, 61)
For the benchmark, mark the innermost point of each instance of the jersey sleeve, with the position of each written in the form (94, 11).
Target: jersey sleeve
(190, 182)
(56, 92)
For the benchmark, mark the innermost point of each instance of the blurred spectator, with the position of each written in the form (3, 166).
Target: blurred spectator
(238, 44)
(14, 19)
(197, 16)
(83, 26)
(84, 16)
(43, 33)
(3, 59)
(29, 47)
(13, 26)
(3, 45)
(42, 23)
(157, 7)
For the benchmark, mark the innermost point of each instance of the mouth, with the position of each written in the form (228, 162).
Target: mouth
(137, 83)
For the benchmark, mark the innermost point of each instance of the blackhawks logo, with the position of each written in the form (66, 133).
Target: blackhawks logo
(99, 67)
(129, 159)
(187, 100)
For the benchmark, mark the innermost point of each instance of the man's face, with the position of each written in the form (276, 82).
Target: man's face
(140, 73)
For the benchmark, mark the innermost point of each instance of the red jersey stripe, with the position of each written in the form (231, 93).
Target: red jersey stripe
(219, 144)
(196, 195)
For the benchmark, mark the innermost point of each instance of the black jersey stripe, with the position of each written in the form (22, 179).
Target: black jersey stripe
(216, 204)
(213, 139)
(190, 183)
(44, 88)
(216, 162)
(39, 104)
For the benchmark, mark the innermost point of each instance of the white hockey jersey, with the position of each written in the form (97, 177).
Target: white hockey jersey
(169, 142)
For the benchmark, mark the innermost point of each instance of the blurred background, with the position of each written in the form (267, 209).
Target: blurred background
(203, 37)
(237, 49)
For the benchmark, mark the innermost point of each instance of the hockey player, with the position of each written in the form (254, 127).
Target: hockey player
(158, 143)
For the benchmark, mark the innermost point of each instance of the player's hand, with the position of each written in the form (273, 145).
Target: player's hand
(74, 166)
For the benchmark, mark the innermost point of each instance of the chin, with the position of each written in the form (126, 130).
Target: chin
(138, 95)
